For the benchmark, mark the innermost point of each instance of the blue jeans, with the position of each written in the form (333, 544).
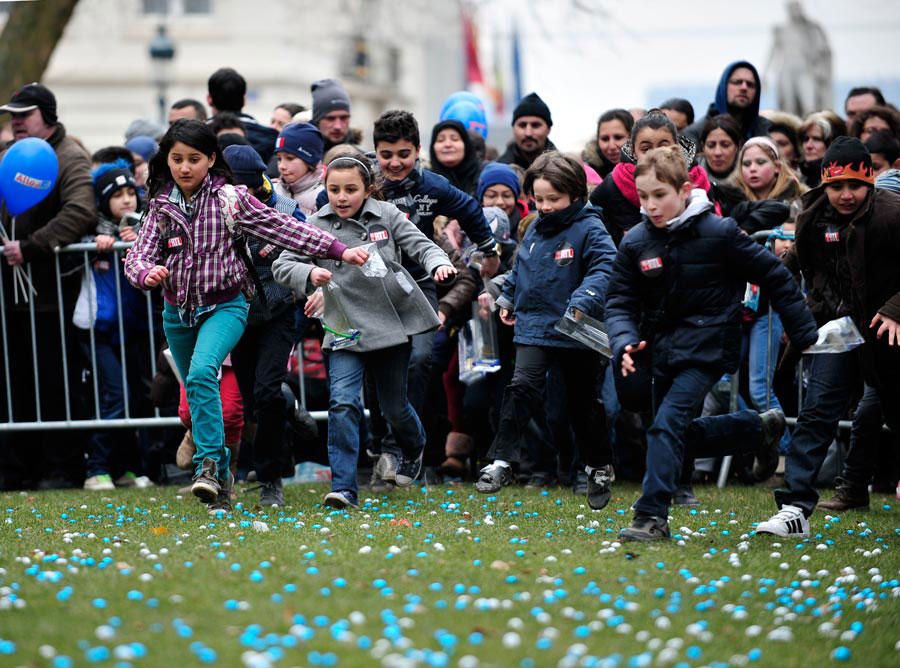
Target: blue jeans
(389, 368)
(198, 351)
(676, 431)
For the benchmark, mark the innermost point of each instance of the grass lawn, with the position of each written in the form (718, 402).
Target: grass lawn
(439, 577)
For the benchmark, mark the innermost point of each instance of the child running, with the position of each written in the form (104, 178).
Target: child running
(386, 311)
(676, 289)
(191, 242)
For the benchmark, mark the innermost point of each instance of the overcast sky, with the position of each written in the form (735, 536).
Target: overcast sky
(625, 54)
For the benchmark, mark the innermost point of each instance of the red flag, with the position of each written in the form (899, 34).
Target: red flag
(473, 67)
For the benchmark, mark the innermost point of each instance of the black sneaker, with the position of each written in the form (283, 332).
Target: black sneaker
(271, 493)
(493, 477)
(646, 528)
(773, 426)
(222, 503)
(539, 480)
(599, 488)
(684, 496)
(408, 471)
(206, 485)
(340, 500)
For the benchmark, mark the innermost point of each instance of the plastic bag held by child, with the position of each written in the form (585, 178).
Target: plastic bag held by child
(836, 336)
(375, 266)
(585, 329)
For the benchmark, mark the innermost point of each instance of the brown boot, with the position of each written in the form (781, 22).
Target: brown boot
(847, 497)
(184, 456)
(457, 448)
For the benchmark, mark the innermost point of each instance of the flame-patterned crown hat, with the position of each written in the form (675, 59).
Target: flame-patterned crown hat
(847, 158)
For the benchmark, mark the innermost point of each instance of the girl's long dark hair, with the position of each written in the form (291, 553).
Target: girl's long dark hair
(195, 134)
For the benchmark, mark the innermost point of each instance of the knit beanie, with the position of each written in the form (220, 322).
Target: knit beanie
(303, 140)
(497, 173)
(144, 127)
(532, 105)
(143, 145)
(109, 178)
(328, 95)
(847, 158)
(246, 164)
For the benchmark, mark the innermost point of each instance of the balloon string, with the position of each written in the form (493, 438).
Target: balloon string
(19, 277)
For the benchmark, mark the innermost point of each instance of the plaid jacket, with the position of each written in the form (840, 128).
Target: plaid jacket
(199, 252)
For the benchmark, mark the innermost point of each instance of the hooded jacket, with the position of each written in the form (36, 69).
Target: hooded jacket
(752, 124)
(386, 311)
(597, 161)
(564, 261)
(463, 176)
(865, 281)
(679, 288)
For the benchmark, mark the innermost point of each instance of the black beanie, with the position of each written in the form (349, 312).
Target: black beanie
(847, 158)
(532, 105)
(108, 182)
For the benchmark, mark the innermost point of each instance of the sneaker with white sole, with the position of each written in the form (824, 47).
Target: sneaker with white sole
(100, 483)
(387, 466)
(340, 500)
(493, 478)
(205, 483)
(408, 471)
(789, 522)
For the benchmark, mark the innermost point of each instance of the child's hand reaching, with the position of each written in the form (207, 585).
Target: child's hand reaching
(104, 242)
(319, 277)
(507, 317)
(155, 275)
(892, 327)
(444, 272)
(628, 363)
(314, 305)
(357, 256)
(127, 233)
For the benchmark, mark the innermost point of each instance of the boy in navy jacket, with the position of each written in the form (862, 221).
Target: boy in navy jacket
(676, 287)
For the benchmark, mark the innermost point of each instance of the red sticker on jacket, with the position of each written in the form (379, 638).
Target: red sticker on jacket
(651, 264)
(174, 242)
(832, 237)
(565, 254)
(379, 235)
(265, 250)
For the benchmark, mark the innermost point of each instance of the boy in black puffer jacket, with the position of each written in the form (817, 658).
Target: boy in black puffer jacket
(677, 285)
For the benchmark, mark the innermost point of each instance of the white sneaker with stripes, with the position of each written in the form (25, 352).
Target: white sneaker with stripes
(788, 522)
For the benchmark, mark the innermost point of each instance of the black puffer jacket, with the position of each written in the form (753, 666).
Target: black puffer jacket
(680, 289)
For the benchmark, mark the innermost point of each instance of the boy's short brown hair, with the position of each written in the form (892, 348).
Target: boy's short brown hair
(563, 172)
(667, 162)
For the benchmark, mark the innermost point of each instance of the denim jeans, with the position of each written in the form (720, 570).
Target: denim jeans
(831, 379)
(389, 368)
(259, 360)
(676, 432)
(866, 432)
(199, 351)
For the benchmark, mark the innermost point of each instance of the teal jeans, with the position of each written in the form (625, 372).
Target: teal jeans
(199, 343)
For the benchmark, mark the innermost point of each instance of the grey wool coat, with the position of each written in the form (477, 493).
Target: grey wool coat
(388, 310)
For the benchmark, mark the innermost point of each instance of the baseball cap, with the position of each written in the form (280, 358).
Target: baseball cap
(31, 96)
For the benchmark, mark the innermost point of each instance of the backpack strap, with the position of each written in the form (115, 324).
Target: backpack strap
(228, 200)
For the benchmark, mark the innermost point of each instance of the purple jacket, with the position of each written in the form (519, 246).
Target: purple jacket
(205, 268)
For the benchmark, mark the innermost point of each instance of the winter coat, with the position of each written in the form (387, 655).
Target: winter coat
(513, 155)
(305, 191)
(866, 283)
(65, 215)
(423, 195)
(386, 311)
(261, 137)
(752, 124)
(593, 157)
(564, 261)
(679, 288)
(465, 175)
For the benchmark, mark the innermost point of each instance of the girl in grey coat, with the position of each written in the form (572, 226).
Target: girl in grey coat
(369, 320)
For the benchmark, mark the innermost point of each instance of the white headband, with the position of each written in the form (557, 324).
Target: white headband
(763, 141)
(351, 158)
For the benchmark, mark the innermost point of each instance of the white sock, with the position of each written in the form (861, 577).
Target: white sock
(502, 462)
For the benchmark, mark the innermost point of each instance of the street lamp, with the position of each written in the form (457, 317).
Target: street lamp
(162, 52)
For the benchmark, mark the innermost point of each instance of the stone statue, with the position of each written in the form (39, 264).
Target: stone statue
(800, 64)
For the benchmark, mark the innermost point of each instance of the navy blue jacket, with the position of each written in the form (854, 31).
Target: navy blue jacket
(564, 260)
(680, 289)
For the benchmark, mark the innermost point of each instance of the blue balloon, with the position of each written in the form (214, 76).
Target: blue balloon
(27, 174)
(469, 115)
(459, 96)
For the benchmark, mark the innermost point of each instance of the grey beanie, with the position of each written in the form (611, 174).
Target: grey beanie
(144, 127)
(328, 95)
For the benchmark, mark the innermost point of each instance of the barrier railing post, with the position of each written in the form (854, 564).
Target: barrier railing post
(9, 406)
(93, 306)
(37, 382)
(152, 337)
(119, 308)
(62, 336)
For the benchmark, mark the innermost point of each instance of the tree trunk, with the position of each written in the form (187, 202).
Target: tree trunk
(28, 40)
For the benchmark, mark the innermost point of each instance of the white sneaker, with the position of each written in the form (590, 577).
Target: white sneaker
(99, 483)
(788, 522)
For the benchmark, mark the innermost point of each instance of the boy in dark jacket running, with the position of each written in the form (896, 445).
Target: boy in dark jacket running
(847, 245)
(677, 285)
